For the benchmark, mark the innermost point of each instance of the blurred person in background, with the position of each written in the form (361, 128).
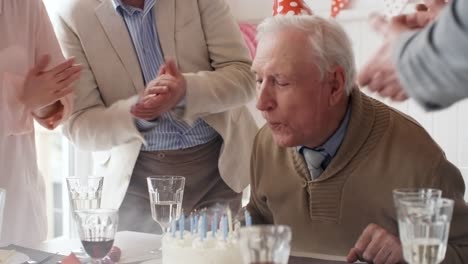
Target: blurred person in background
(35, 84)
(424, 55)
(189, 64)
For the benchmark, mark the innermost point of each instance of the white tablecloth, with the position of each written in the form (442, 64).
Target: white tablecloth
(135, 247)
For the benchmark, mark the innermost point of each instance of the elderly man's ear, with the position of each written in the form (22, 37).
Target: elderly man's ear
(336, 81)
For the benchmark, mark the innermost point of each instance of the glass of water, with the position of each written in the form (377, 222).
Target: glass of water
(417, 193)
(2, 207)
(265, 244)
(97, 228)
(166, 194)
(424, 226)
(85, 193)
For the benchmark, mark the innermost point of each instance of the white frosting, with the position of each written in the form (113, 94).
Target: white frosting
(192, 249)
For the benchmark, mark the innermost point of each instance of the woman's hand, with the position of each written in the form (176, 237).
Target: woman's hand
(43, 87)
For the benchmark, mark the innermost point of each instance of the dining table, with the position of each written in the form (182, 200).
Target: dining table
(140, 248)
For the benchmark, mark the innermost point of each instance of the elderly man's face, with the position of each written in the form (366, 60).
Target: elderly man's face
(290, 93)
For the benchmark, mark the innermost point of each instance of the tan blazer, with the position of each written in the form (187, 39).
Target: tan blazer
(207, 44)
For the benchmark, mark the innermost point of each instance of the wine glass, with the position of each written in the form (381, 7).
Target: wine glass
(97, 228)
(265, 244)
(84, 193)
(424, 226)
(166, 193)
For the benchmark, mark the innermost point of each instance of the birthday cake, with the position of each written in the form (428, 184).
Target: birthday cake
(193, 249)
(200, 245)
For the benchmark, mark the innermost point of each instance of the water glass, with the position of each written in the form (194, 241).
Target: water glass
(418, 193)
(85, 193)
(97, 228)
(265, 244)
(424, 226)
(166, 194)
(2, 207)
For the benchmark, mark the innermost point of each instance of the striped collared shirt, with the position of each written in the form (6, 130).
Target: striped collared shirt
(166, 132)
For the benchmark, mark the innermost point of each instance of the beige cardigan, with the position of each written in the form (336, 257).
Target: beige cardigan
(382, 150)
(207, 44)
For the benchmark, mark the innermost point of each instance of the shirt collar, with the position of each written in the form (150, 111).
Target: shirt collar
(330, 147)
(120, 6)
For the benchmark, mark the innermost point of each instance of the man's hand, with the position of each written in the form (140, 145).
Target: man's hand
(42, 88)
(379, 74)
(425, 13)
(162, 94)
(376, 245)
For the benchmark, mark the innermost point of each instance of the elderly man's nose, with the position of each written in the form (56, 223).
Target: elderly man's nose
(264, 100)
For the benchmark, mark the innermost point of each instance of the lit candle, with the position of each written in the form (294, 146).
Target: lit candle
(214, 224)
(196, 223)
(229, 219)
(182, 225)
(248, 218)
(173, 228)
(203, 225)
(224, 227)
(191, 223)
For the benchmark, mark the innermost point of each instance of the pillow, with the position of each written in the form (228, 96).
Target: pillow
(249, 32)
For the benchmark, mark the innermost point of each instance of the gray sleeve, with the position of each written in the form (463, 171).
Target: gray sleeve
(432, 64)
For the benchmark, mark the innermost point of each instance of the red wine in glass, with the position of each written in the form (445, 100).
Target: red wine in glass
(97, 248)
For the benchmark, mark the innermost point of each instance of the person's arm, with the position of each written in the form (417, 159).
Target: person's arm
(52, 115)
(432, 63)
(231, 84)
(93, 126)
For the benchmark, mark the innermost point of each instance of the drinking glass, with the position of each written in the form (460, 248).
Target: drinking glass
(424, 226)
(422, 193)
(265, 244)
(97, 228)
(166, 194)
(85, 193)
(2, 207)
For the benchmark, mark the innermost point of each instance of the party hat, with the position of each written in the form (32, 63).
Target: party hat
(337, 6)
(290, 7)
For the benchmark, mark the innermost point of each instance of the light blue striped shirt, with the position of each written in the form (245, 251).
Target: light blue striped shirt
(166, 132)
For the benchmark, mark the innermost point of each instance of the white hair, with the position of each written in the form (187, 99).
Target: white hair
(329, 42)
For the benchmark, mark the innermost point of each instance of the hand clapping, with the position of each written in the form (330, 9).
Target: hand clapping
(162, 94)
(45, 87)
(379, 74)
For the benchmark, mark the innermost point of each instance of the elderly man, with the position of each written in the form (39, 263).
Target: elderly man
(189, 61)
(338, 153)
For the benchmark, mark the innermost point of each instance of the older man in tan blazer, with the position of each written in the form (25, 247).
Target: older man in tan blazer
(124, 46)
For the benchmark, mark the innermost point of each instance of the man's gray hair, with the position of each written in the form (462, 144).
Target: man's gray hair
(329, 42)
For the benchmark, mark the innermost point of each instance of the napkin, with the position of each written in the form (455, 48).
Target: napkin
(5, 255)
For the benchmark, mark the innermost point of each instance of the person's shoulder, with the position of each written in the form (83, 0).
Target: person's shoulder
(411, 134)
(72, 8)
